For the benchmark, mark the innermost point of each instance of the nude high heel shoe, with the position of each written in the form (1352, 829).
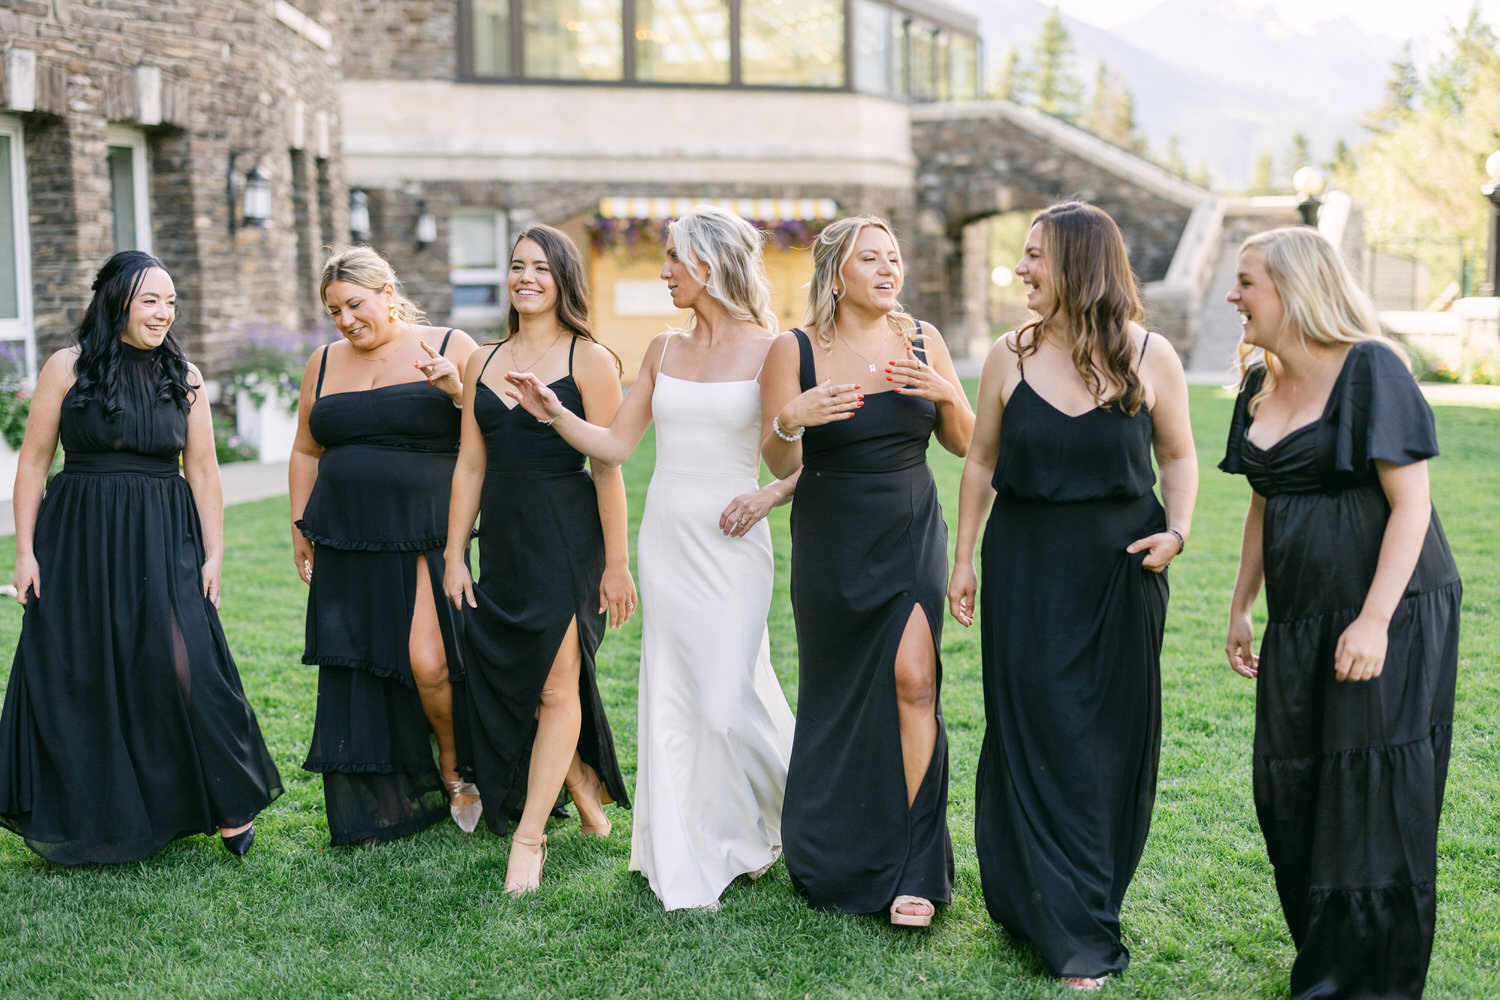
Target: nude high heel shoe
(467, 817)
(520, 875)
(587, 790)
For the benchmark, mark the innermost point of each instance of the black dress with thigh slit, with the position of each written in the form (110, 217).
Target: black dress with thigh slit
(380, 501)
(1071, 630)
(1349, 776)
(868, 546)
(541, 557)
(125, 725)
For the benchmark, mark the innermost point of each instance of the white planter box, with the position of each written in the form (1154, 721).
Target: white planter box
(268, 426)
(8, 458)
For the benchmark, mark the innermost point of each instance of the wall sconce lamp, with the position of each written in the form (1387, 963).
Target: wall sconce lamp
(249, 196)
(426, 226)
(359, 217)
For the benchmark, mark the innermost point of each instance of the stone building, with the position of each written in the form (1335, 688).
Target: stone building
(146, 124)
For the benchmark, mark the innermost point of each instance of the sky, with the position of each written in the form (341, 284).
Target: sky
(1391, 18)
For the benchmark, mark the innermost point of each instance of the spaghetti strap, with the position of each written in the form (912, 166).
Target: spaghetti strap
(807, 372)
(1144, 341)
(322, 367)
(661, 362)
(480, 377)
(443, 347)
(572, 346)
(919, 352)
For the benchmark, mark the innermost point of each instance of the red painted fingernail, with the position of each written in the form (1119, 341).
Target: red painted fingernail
(860, 396)
(857, 405)
(889, 379)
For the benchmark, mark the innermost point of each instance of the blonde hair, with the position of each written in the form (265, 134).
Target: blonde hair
(831, 251)
(362, 266)
(1320, 299)
(730, 249)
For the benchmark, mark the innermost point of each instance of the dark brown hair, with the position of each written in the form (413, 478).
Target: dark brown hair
(1096, 293)
(566, 264)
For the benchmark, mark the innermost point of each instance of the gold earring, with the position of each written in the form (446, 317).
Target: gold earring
(392, 312)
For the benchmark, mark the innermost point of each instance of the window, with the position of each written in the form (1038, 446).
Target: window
(17, 339)
(129, 193)
(682, 41)
(964, 64)
(793, 43)
(491, 28)
(476, 257)
(879, 50)
(920, 59)
(573, 39)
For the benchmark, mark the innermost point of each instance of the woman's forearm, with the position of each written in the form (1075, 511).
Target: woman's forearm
(609, 484)
(1179, 493)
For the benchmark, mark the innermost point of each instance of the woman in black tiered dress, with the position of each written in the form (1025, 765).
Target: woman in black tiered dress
(376, 440)
(125, 725)
(865, 822)
(1071, 407)
(554, 561)
(1356, 673)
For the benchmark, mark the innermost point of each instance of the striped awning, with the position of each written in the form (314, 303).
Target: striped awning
(764, 209)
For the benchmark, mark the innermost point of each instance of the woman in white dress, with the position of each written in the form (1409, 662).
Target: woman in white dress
(714, 727)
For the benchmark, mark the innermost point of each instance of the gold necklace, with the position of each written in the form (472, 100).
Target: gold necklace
(526, 368)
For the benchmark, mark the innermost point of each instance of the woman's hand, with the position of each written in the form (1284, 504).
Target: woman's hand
(1360, 653)
(441, 372)
(458, 582)
(917, 378)
(617, 595)
(302, 554)
(744, 510)
(822, 404)
(962, 587)
(213, 571)
(27, 577)
(1240, 646)
(1161, 548)
(534, 396)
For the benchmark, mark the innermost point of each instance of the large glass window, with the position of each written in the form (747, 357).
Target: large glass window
(573, 39)
(476, 257)
(920, 55)
(17, 340)
(682, 41)
(963, 64)
(872, 47)
(129, 192)
(490, 21)
(792, 43)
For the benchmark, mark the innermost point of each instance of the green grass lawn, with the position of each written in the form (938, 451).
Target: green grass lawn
(428, 916)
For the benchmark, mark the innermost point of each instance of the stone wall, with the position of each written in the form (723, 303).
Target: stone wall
(202, 81)
(404, 39)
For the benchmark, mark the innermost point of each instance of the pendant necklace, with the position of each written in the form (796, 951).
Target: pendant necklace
(857, 354)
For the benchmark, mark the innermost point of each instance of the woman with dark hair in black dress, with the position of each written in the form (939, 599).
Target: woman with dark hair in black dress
(554, 564)
(865, 821)
(125, 725)
(377, 435)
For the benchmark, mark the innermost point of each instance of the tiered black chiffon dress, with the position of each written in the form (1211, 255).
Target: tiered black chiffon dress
(380, 501)
(541, 557)
(1349, 776)
(1071, 630)
(125, 725)
(868, 545)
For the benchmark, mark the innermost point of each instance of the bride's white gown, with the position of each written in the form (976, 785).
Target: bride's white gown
(715, 730)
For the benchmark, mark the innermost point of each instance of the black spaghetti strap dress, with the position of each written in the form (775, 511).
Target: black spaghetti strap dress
(541, 557)
(1349, 776)
(380, 501)
(1071, 632)
(125, 725)
(868, 545)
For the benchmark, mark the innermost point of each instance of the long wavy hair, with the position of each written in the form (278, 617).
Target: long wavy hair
(100, 347)
(363, 266)
(1321, 300)
(831, 251)
(731, 252)
(566, 265)
(1096, 295)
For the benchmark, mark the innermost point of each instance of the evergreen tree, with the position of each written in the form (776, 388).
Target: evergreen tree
(1008, 78)
(1260, 175)
(1298, 155)
(1053, 86)
(1400, 94)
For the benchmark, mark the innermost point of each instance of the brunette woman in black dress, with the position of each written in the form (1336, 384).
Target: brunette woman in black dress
(377, 436)
(125, 725)
(554, 563)
(1357, 666)
(1072, 406)
(854, 399)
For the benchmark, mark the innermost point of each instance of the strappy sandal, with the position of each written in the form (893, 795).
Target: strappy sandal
(589, 788)
(899, 919)
(518, 886)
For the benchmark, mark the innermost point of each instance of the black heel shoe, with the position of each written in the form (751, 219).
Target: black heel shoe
(239, 844)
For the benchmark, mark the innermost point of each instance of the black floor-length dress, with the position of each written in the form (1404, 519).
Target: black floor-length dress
(1349, 776)
(125, 725)
(1071, 630)
(868, 546)
(541, 557)
(379, 502)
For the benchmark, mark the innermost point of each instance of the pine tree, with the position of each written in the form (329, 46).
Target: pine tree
(1260, 175)
(1051, 81)
(1008, 78)
(1400, 94)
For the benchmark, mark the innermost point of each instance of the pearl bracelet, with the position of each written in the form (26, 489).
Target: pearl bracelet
(788, 438)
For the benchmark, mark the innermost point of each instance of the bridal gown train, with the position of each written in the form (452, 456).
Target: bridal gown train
(715, 729)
